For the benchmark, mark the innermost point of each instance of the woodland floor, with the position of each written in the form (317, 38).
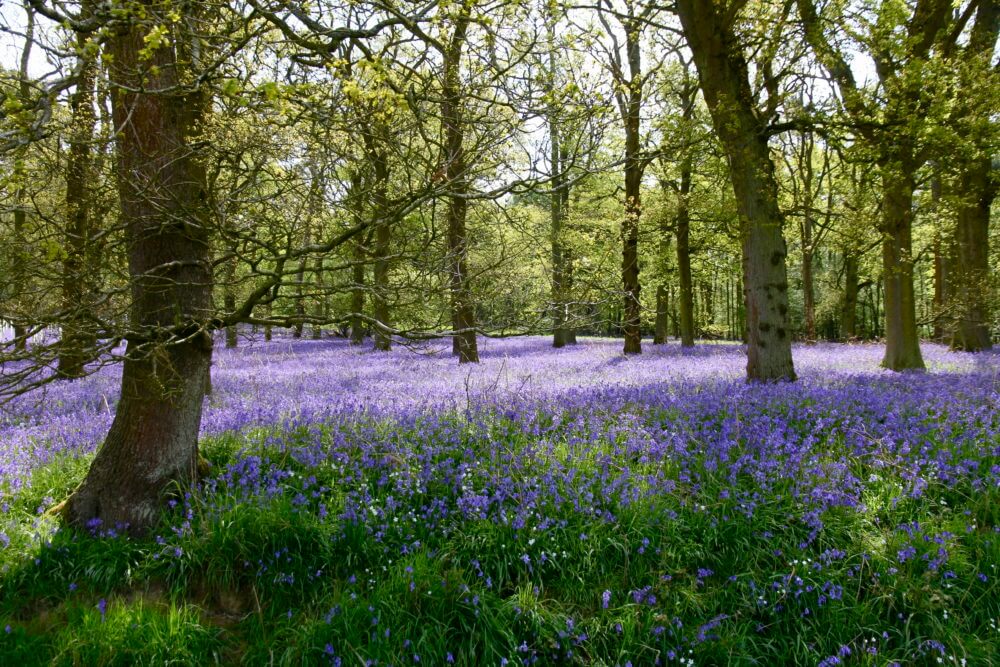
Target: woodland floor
(543, 507)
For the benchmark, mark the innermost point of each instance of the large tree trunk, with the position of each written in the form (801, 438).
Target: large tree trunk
(79, 340)
(153, 441)
(902, 344)
(632, 312)
(463, 318)
(722, 70)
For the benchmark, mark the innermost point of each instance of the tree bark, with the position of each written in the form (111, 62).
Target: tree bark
(722, 70)
(631, 316)
(20, 203)
(975, 189)
(463, 319)
(902, 343)
(358, 294)
(383, 236)
(849, 315)
(662, 314)
(682, 232)
(942, 267)
(79, 339)
(153, 440)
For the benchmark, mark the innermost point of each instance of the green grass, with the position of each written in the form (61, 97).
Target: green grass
(270, 583)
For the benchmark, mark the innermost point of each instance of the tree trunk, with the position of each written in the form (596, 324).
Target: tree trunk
(942, 267)
(383, 235)
(902, 344)
(682, 232)
(153, 441)
(975, 192)
(976, 187)
(229, 304)
(300, 297)
(633, 183)
(79, 339)
(463, 320)
(808, 293)
(849, 315)
(556, 212)
(20, 178)
(358, 294)
(571, 311)
(319, 306)
(722, 70)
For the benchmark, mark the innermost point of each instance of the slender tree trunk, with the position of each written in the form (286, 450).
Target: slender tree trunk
(902, 344)
(20, 197)
(463, 320)
(380, 295)
(358, 294)
(376, 141)
(229, 296)
(942, 261)
(632, 312)
(849, 315)
(556, 213)
(153, 441)
(571, 312)
(722, 70)
(229, 304)
(300, 297)
(682, 232)
(79, 339)
(319, 306)
(808, 293)
(268, 333)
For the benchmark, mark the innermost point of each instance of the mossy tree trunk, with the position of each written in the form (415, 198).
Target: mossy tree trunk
(153, 440)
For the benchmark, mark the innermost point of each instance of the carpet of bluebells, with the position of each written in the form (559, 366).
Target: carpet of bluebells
(543, 507)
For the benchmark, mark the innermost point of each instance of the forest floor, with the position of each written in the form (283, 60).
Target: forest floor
(543, 507)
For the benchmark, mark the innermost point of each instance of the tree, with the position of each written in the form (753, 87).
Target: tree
(974, 181)
(629, 79)
(463, 319)
(681, 188)
(901, 43)
(742, 130)
(153, 441)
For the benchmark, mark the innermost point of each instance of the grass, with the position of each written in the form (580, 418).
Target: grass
(270, 577)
